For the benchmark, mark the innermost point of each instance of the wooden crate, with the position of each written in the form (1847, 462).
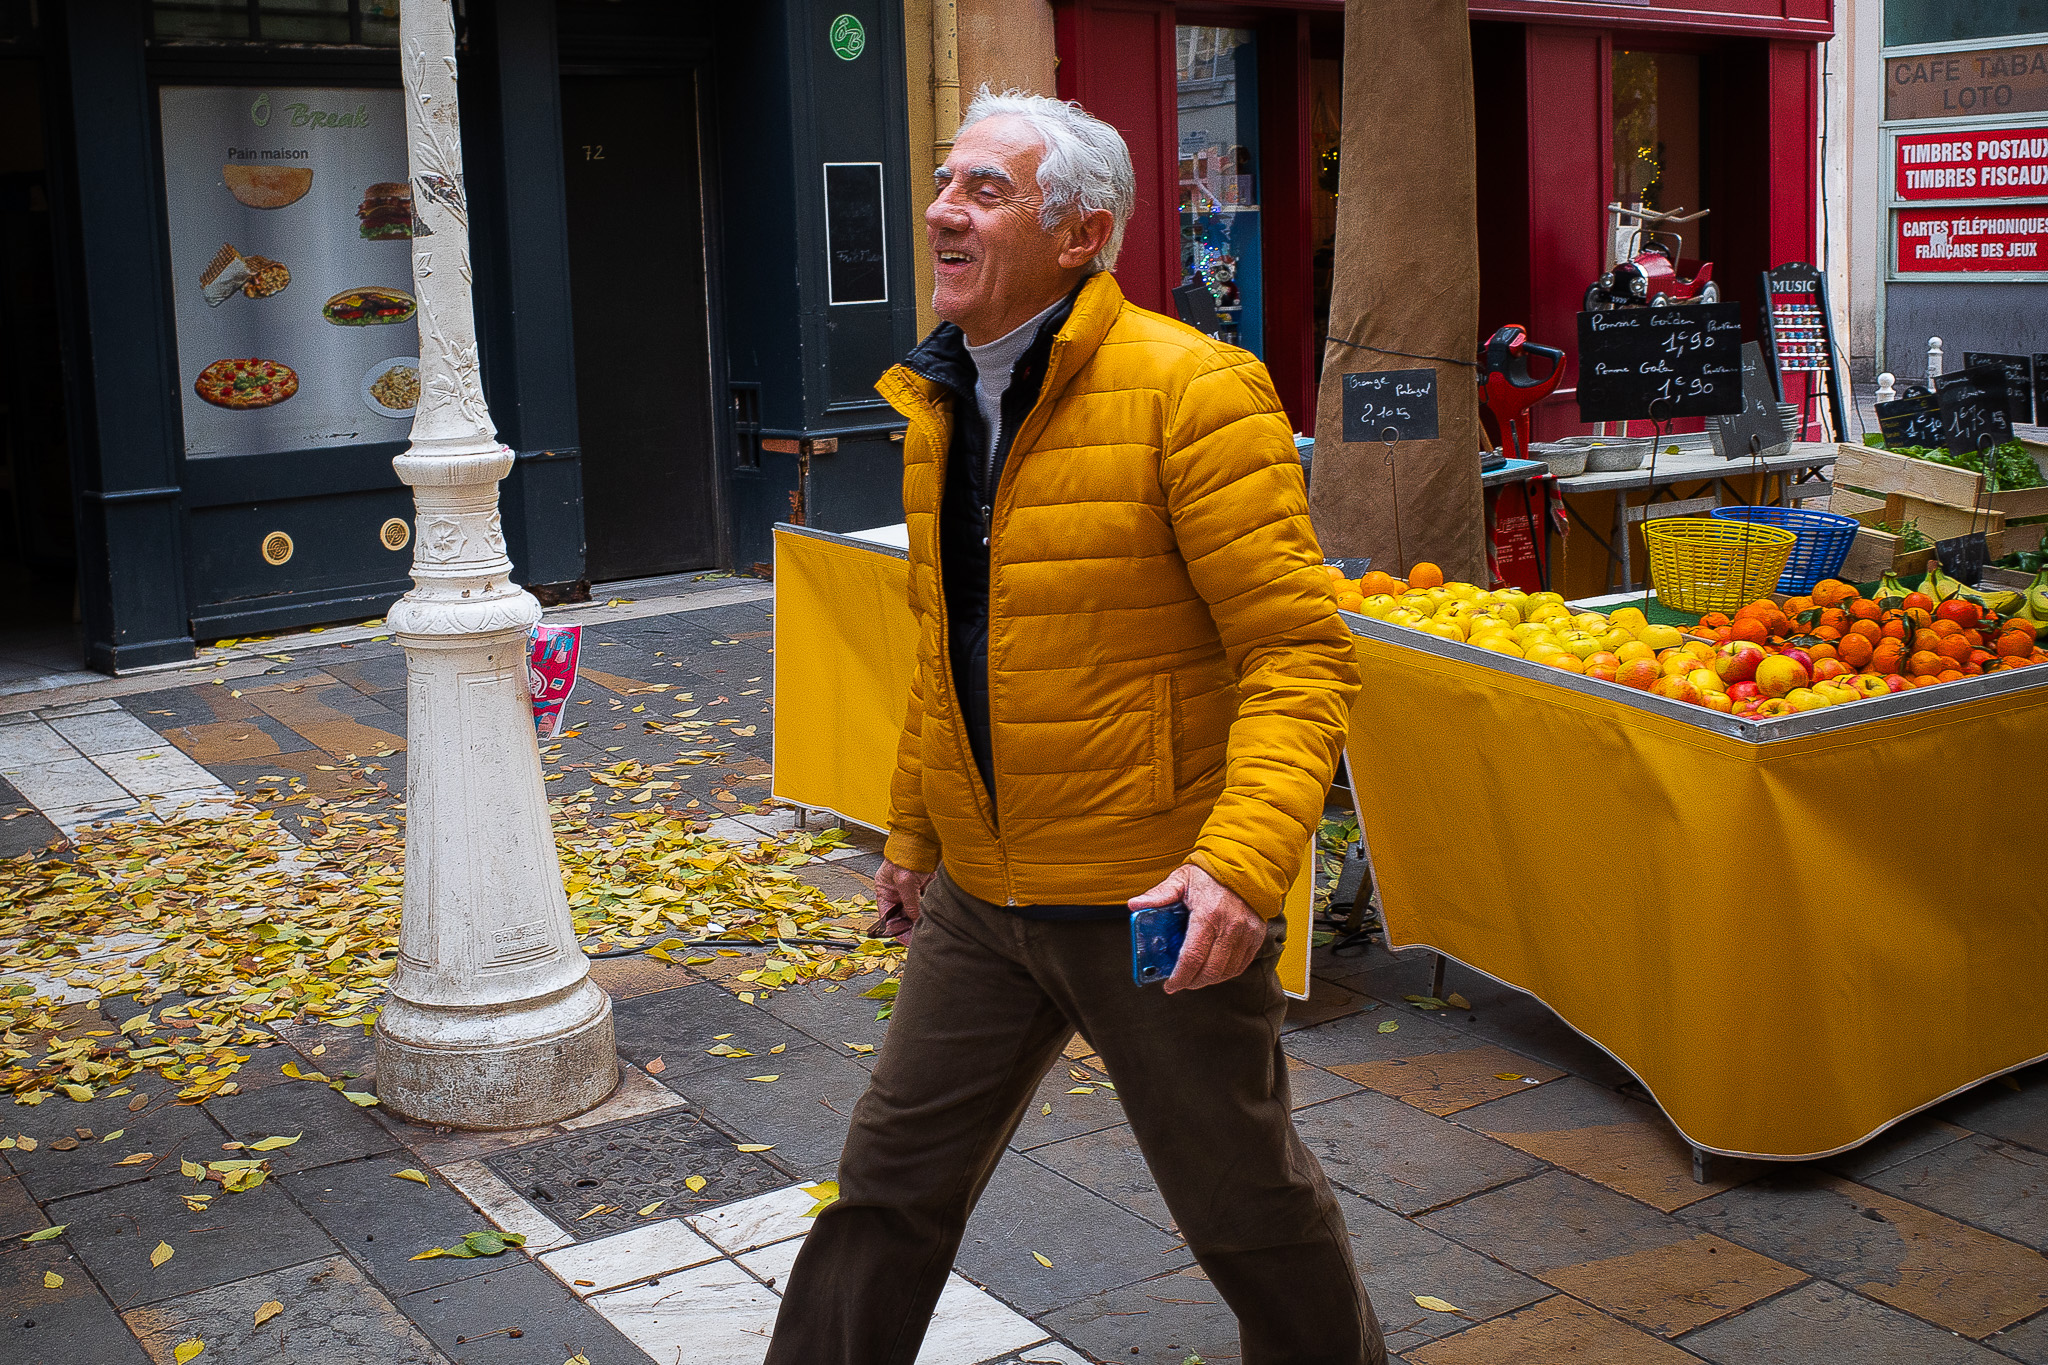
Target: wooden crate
(1876, 552)
(1870, 470)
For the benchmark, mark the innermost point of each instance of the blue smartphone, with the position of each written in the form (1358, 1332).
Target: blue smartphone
(1156, 938)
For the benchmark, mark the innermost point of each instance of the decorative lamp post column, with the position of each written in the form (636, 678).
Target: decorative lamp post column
(492, 1020)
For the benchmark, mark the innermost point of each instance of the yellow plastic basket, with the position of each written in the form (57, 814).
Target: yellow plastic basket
(1702, 565)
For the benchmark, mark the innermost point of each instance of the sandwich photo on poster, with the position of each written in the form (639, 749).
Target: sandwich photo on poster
(291, 225)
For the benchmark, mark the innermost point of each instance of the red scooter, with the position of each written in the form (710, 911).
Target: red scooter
(1651, 271)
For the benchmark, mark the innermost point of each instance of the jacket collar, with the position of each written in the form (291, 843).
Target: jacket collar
(941, 359)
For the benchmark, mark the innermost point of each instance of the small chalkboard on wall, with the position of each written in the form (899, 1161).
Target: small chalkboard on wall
(856, 245)
(1390, 404)
(1758, 421)
(1973, 409)
(1660, 363)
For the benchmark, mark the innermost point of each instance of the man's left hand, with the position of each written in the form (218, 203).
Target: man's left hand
(1224, 934)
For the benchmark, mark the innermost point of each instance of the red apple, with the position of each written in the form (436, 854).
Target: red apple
(1736, 661)
(1781, 673)
(1771, 707)
(1676, 688)
(1798, 656)
(1894, 683)
(1744, 691)
(1831, 668)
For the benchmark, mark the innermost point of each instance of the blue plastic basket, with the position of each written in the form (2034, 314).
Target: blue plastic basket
(1824, 541)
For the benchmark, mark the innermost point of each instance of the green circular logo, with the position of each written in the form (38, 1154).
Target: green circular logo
(849, 39)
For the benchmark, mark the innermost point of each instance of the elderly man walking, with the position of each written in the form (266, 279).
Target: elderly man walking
(1131, 689)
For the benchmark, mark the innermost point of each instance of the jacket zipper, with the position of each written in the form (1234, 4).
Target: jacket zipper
(1052, 359)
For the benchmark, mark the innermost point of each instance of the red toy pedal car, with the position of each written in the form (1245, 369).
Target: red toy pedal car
(1651, 271)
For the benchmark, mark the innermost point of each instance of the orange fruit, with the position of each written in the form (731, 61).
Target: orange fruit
(1835, 619)
(1824, 650)
(1924, 641)
(1826, 633)
(1832, 592)
(1949, 675)
(2014, 644)
(1954, 648)
(1863, 609)
(1945, 628)
(1888, 657)
(1349, 601)
(1868, 629)
(1927, 681)
(2021, 624)
(1747, 628)
(1855, 650)
(1425, 575)
(1919, 601)
(1795, 605)
(1714, 620)
(1373, 582)
(1925, 663)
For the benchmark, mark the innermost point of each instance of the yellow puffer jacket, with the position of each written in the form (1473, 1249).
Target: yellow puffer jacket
(1169, 681)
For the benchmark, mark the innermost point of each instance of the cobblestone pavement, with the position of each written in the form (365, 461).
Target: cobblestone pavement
(1488, 1158)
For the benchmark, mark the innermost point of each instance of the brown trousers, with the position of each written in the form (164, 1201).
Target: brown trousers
(988, 1001)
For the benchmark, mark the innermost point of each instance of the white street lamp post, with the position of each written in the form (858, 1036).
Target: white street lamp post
(492, 1020)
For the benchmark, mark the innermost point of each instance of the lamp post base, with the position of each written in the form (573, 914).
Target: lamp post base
(522, 1065)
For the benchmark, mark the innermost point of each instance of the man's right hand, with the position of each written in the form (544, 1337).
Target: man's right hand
(897, 890)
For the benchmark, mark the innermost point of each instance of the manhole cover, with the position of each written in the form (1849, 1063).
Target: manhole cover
(631, 1167)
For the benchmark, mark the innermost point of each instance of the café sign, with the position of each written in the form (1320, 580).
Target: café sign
(1978, 84)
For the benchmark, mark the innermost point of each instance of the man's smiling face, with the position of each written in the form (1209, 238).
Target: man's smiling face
(994, 265)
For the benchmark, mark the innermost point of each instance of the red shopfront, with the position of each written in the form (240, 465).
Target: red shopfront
(1232, 114)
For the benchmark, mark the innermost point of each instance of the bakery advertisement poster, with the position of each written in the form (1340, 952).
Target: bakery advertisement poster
(291, 259)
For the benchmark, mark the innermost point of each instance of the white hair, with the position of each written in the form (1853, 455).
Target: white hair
(1085, 166)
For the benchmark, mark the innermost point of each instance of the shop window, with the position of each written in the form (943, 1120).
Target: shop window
(1946, 21)
(374, 22)
(1656, 139)
(1218, 99)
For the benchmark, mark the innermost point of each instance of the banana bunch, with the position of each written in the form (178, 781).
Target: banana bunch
(1940, 586)
(2003, 603)
(1889, 587)
(2035, 605)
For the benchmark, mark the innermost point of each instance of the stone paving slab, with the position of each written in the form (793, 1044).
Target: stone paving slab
(66, 1324)
(114, 1232)
(1614, 1253)
(553, 1324)
(2014, 1107)
(1558, 1328)
(1092, 1243)
(1400, 1157)
(1823, 1323)
(1980, 1180)
(1956, 1277)
(332, 1315)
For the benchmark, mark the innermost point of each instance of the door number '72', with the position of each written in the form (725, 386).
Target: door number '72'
(593, 151)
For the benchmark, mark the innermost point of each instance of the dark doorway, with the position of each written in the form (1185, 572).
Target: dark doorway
(38, 559)
(640, 304)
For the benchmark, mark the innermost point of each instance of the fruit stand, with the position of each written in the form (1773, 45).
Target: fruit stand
(1795, 929)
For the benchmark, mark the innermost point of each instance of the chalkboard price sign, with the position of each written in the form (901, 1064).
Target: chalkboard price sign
(1914, 420)
(856, 256)
(1685, 361)
(2019, 381)
(1404, 400)
(1973, 409)
(1759, 416)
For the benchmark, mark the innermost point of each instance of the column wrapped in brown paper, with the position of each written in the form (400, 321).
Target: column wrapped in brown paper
(1407, 281)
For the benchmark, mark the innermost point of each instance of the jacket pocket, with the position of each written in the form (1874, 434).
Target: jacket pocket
(1162, 743)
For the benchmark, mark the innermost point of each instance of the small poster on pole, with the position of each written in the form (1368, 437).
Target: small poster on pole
(551, 657)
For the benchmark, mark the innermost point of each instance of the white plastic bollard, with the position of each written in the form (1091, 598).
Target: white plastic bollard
(1933, 362)
(1885, 392)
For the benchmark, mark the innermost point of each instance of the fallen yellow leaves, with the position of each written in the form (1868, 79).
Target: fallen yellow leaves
(162, 1253)
(186, 1350)
(52, 1280)
(413, 1174)
(1041, 1260)
(267, 1311)
(253, 923)
(1435, 1304)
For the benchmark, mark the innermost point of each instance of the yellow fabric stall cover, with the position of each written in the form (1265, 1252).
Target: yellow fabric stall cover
(844, 645)
(1793, 944)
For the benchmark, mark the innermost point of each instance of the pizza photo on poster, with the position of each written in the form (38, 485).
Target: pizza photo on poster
(290, 231)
